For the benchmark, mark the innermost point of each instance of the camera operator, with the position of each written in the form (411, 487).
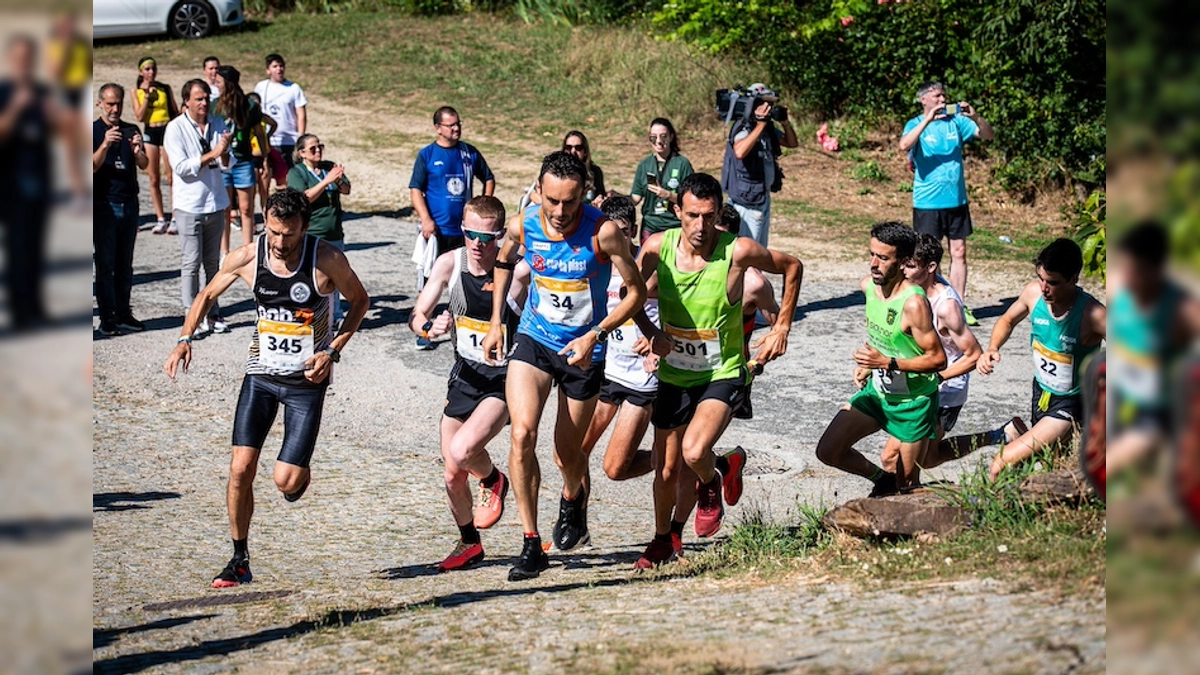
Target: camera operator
(749, 173)
(934, 141)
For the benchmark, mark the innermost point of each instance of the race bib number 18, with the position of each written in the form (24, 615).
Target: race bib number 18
(284, 346)
(567, 302)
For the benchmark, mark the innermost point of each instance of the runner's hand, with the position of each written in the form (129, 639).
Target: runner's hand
(317, 367)
(770, 346)
(579, 350)
(869, 357)
(650, 363)
(441, 325)
(987, 362)
(493, 345)
(179, 360)
(861, 376)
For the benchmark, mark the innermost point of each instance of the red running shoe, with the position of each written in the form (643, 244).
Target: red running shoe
(237, 572)
(491, 503)
(709, 509)
(1092, 448)
(732, 481)
(462, 556)
(677, 543)
(657, 553)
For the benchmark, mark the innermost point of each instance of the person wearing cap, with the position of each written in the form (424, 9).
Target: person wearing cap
(750, 172)
(934, 141)
(284, 101)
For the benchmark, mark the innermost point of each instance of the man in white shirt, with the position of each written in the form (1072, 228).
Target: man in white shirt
(197, 144)
(284, 101)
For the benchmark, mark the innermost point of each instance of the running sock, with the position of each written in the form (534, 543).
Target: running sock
(877, 475)
(491, 478)
(241, 548)
(469, 533)
(664, 538)
(677, 527)
(532, 535)
(722, 464)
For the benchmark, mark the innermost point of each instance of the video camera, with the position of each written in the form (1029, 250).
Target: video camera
(738, 104)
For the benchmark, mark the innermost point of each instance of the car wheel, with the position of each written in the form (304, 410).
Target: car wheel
(192, 19)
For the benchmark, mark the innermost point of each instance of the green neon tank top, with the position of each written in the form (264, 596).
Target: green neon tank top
(1057, 353)
(695, 310)
(885, 334)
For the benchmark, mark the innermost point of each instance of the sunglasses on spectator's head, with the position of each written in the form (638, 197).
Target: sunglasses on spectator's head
(481, 237)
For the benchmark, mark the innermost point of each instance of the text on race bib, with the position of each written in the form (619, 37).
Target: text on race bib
(284, 346)
(1053, 369)
(889, 381)
(567, 302)
(623, 337)
(468, 338)
(1138, 376)
(697, 350)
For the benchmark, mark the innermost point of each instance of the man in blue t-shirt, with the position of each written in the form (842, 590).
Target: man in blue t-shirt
(442, 180)
(934, 142)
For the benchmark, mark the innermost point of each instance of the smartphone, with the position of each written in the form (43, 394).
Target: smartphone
(952, 109)
(652, 179)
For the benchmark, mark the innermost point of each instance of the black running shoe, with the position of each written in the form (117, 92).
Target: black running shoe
(129, 323)
(885, 485)
(571, 529)
(533, 561)
(235, 573)
(294, 496)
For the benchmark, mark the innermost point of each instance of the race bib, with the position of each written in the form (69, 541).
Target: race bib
(468, 337)
(622, 338)
(1137, 376)
(284, 346)
(1053, 370)
(892, 382)
(697, 350)
(567, 302)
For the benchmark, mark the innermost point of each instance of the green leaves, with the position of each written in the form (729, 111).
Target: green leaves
(1091, 234)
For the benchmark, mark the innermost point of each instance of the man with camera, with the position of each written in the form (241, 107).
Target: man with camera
(750, 173)
(934, 141)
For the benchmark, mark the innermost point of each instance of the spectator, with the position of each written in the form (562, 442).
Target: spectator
(117, 154)
(934, 141)
(198, 144)
(284, 101)
(750, 171)
(577, 144)
(70, 59)
(28, 113)
(243, 118)
(323, 183)
(154, 106)
(260, 154)
(443, 180)
(211, 64)
(657, 177)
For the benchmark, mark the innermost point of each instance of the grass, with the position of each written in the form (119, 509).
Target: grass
(869, 171)
(504, 76)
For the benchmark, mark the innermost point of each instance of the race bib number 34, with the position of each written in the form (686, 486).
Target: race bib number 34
(284, 346)
(1056, 371)
(567, 302)
(697, 350)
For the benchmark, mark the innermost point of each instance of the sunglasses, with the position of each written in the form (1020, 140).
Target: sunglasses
(318, 147)
(481, 237)
(572, 147)
(660, 137)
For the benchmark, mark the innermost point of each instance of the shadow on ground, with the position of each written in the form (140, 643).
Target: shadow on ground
(127, 501)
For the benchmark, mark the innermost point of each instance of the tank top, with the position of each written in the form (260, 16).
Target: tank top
(160, 113)
(885, 334)
(569, 280)
(294, 317)
(622, 365)
(695, 310)
(1140, 346)
(952, 392)
(471, 307)
(1057, 354)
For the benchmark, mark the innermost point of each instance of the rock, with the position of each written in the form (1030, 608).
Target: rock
(898, 515)
(1055, 487)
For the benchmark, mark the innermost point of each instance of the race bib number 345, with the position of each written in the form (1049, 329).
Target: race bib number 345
(284, 346)
(567, 302)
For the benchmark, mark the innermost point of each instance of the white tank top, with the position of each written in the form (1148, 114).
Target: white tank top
(952, 392)
(621, 365)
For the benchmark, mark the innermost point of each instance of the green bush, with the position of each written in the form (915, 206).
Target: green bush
(1092, 233)
(869, 171)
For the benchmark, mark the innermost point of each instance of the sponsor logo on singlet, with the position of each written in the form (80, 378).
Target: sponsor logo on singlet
(539, 263)
(300, 292)
(266, 291)
(891, 316)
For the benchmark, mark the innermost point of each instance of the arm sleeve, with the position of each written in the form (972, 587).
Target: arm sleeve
(420, 176)
(176, 146)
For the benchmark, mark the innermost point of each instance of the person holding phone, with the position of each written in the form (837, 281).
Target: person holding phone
(154, 106)
(117, 154)
(934, 141)
(657, 177)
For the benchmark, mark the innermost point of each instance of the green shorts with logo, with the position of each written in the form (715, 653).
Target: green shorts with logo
(909, 419)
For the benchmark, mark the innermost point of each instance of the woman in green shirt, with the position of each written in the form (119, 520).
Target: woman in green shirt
(323, 183)
(657, 179)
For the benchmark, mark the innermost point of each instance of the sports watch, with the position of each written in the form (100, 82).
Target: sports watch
(601, 334)
(334, 355)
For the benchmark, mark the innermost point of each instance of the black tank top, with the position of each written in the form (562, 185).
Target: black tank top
(294, 317)
(471, 307)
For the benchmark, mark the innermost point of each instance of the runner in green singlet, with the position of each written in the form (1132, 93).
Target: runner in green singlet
(1068, 325)
(903, 353)
(698, 274)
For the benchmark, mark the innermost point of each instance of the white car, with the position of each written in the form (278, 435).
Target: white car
(178, 18)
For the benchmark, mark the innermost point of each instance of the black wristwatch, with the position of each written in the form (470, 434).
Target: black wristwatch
(892, 365)
(601, 334)
(334, 355)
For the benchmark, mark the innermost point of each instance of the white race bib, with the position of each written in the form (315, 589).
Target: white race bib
(567, 302)
(623, 337)
(1055, 371)
(697, 350)
(1138, 376)
(892, 382)
(468, 338)
(284, 346)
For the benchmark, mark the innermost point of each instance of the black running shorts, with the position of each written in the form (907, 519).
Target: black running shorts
(675, 406)
(616, 393)
(467, 387)
(575, 382)
(257, 405)
(1067, 408)
(949, 417)
(942, 224)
